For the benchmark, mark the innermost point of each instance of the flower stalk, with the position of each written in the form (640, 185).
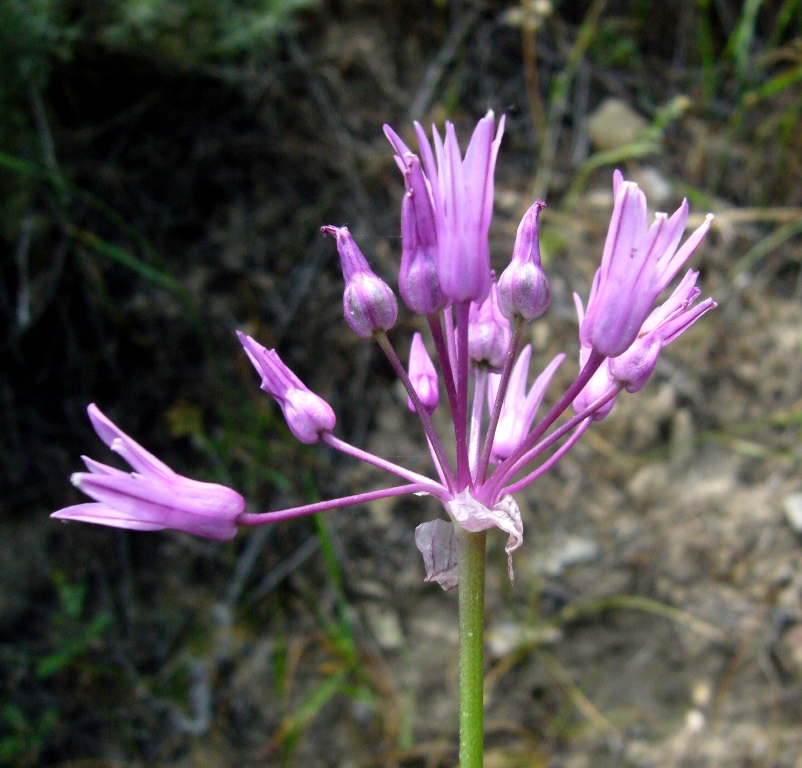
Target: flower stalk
(471, 647)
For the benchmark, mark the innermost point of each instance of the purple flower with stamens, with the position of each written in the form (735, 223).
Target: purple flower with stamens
(307, 414)
(672, 318)
(519, 407)
(500, 444)
(637, 265)
(151, 498)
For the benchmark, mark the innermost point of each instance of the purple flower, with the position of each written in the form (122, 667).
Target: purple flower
(599, 384)
(633, 368)
(423, 376)
(307, 415)
(519, 407)
(637, 265)
(462, 198)
(418, 282)
(523, 288)
(368, 302)
(489, 332)
(151, 498)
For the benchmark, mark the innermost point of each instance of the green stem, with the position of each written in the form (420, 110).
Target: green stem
(471, 647)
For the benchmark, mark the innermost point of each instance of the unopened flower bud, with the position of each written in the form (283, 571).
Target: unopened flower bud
(523, 289)
(489, 334)
(368, 302)
(423, 376)
(307, 415)
(418, 280)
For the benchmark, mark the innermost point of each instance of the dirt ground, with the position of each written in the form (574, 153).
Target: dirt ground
(656, 614)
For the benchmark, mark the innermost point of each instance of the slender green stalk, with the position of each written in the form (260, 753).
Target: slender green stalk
(471, 647)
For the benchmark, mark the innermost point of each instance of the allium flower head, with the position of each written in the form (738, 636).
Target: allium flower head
(369, 303)
(637, 265)
(151, 498)
(500, 444)
(307, 415)
(523, 288)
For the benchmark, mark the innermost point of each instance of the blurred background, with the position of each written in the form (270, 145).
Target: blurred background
(165, 167)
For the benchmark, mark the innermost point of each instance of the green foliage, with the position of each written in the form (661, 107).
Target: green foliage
(22, 740)
(192, 32)
(74, 633)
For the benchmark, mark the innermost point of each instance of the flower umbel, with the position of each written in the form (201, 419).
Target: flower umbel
(476, 324)
(151, 498)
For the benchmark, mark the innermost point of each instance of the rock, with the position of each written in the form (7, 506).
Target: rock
(508, 636)
(384, 625)
(572, 550)
(614, 124)
(793, 511)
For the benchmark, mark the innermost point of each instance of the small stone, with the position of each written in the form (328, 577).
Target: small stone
(614, 124)
(702, 693)
(508, 636)
(694, 721)
(385, 626)
(572, 550)
(793, 511)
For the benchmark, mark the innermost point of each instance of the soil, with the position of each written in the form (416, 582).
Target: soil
(656, 613)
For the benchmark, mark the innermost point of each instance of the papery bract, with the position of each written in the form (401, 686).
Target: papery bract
(153, 497)
(437, 543)
(474, 516)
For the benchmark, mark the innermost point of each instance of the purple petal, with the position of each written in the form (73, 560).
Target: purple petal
(141, 460)
(101, 514)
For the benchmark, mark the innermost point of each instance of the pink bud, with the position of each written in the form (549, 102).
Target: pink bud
(423, 376)
(418, 280)
(523, 289)
(489, 334)
(368, 302)
(307, 415)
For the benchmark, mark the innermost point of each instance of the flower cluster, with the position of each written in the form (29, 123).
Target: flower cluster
(476, 325)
